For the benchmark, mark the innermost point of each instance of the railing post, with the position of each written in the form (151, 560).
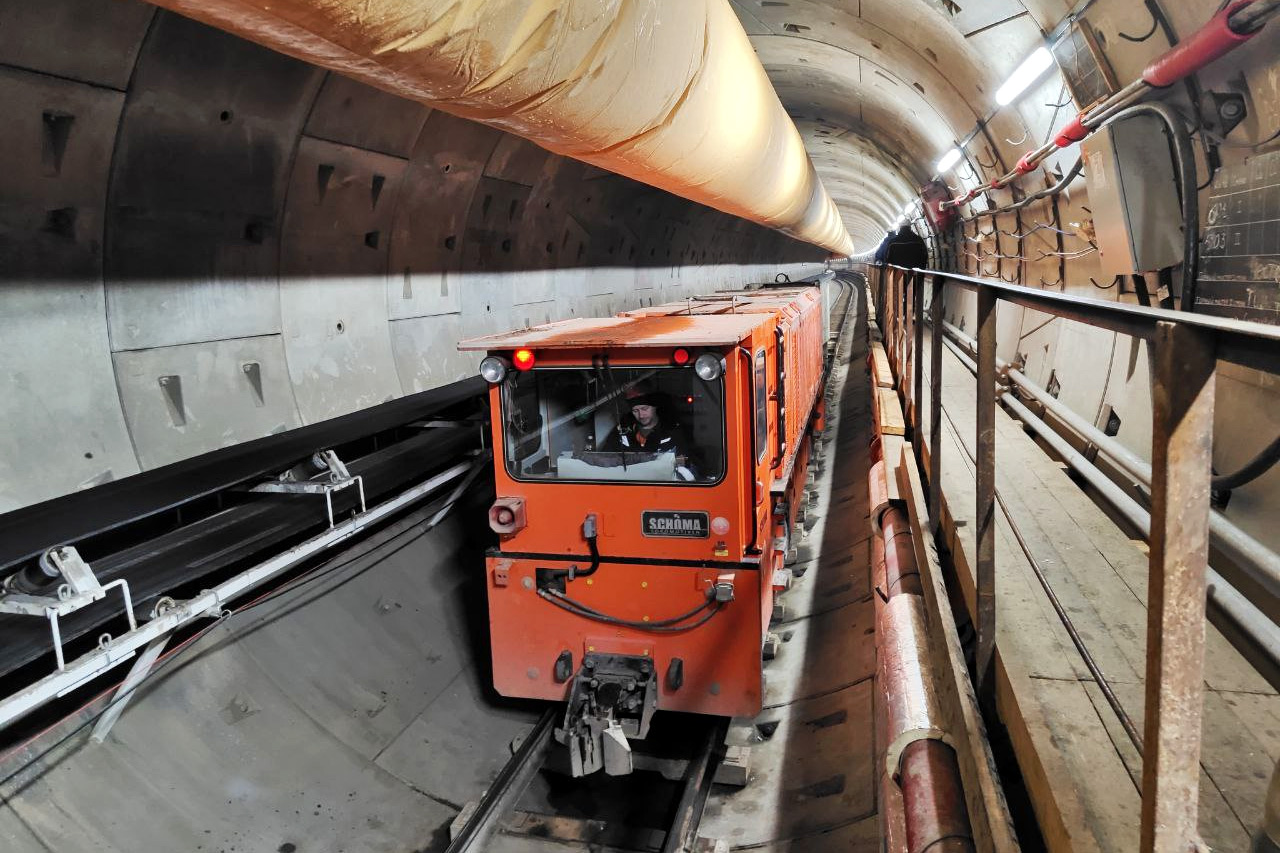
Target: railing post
(1181, 452)
(985, 533)
(935, 405)
(917, 365)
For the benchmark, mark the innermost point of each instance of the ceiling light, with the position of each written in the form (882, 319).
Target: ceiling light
(948, 160)
(1026, 74)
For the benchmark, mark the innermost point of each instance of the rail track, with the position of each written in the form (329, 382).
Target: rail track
(513, 816)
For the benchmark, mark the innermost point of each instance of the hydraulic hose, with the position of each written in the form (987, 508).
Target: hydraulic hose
(1252, 470)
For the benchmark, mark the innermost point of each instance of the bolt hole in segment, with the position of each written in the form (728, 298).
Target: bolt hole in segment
(648, 468)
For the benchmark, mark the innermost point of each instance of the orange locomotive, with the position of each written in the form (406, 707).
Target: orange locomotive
(647, 469)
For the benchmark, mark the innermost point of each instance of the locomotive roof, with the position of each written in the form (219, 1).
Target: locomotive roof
(626, 332)
(719, 319)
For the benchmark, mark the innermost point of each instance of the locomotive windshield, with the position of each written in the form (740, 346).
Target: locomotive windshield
(645, 424)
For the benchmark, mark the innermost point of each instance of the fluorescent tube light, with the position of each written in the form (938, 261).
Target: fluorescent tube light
(1026, 74)
(948, 160)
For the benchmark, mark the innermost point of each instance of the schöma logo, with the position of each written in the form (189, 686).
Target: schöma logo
(676, 525)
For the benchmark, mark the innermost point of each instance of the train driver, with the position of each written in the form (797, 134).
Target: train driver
(650, 434)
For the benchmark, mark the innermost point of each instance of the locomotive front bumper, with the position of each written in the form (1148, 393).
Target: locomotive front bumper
(699, 626)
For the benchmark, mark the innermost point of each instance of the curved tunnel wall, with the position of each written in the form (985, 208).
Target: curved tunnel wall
(205, 242)
(881, 89)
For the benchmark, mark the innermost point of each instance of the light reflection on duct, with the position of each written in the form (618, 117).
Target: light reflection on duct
(668, 92)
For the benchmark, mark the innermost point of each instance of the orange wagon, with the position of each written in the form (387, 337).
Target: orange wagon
(647, 467)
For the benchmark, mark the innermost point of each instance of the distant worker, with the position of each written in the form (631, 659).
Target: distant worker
(907, 249)
(883, 249)
(649, 434)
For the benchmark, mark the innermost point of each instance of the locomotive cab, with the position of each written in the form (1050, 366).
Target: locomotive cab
(632, 461)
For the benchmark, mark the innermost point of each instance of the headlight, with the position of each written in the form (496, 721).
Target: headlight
(709, 366)
(493, 369)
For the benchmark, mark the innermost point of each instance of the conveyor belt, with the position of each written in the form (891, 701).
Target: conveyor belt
(197, 551)
(28, 532)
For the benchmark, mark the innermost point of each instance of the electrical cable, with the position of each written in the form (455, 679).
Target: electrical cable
(1252, 470)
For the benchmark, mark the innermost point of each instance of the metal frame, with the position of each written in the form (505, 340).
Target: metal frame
(79, 589)
(1185, 350)
(209, 603)
(338, 478)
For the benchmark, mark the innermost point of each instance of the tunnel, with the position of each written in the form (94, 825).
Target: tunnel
(268, 275)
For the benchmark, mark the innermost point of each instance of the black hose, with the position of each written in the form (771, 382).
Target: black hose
(574, 573)
(1252, 470)
(674, 624)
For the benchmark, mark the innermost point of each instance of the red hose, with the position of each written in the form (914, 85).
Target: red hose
(1212, 41)
(1072, 131)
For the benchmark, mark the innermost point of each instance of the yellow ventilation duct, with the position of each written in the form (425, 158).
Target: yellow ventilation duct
(668, 92)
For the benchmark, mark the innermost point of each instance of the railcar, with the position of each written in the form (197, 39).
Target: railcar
(648, 468)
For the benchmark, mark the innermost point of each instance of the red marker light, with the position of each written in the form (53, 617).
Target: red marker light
(680, 356)
(523, 359)
(689, 400)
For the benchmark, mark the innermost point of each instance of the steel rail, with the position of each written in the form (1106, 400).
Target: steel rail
(505, 791)
(1241, 342)
(683, 834)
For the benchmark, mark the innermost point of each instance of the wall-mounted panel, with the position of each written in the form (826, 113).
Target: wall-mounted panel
(63, 429)
(191, 399)
(69, 38)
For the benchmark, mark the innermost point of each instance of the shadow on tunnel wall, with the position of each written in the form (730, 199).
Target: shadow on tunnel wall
(204, 242)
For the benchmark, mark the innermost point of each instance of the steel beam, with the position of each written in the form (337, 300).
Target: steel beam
(1242, 342)
(917, 364)
(1181, 453)
(985, 532)
(936, 337)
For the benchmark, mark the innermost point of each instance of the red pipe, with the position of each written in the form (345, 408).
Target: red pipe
(933, 801)
(902, 575)
(1212, 41)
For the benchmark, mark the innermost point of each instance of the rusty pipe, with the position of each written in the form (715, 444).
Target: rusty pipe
(933, 815)
(919, 754)
(902, 575)
(933, 801)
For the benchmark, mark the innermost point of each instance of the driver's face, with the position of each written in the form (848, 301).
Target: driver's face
(646, 416)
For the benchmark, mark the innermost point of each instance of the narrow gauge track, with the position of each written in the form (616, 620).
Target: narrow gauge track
(500, 814)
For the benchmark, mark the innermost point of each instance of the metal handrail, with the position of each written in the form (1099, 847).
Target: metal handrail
(1241, 342)
(1185, 348)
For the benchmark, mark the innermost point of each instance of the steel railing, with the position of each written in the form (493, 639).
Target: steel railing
(1185, 349)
